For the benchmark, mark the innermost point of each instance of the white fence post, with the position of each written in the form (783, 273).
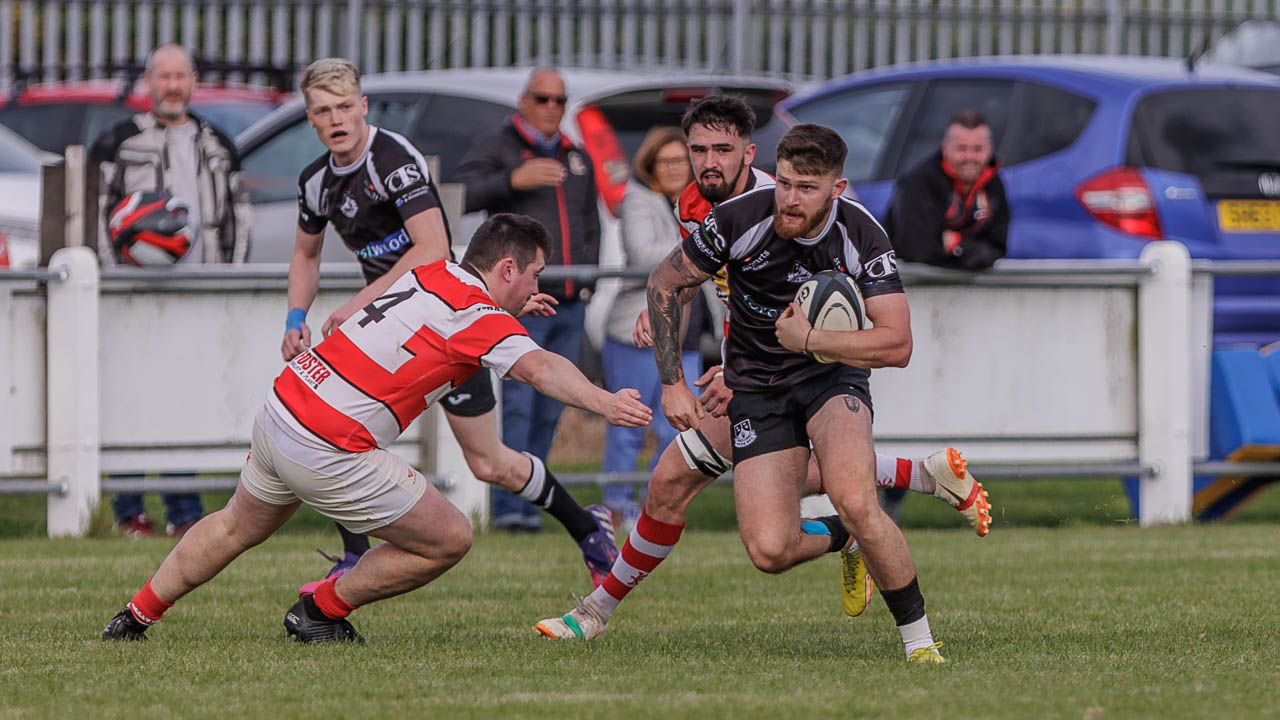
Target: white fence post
(1165, 384)
(72, 390)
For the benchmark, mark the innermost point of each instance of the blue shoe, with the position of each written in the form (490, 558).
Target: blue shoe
(341, 565)
(599, 549)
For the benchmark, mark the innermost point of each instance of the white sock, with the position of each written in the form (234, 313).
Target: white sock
(607, 602)
(889, 466)
(532, 491)
(916, 635)
(920, 482)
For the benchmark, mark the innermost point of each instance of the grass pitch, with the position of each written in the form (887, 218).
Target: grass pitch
(1092, 622)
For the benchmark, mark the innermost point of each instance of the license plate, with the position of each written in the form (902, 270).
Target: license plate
(1249, 215)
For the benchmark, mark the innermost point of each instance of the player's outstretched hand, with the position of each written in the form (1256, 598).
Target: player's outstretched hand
(792, 328)
(680, 406)
(715, 395)
(642, 334)
(539, 304)
(295, 341)
(625, 409)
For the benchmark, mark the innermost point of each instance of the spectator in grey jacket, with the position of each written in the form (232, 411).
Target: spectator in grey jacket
(649, 233)
(169, 149)
(529, 167)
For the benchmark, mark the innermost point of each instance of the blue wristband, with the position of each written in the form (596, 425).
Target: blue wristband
(295, 319)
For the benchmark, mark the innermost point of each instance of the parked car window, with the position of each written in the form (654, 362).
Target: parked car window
(49, 127)
(1048, 121)
(865, 118)
(271, 169)
(1225, 137)
(441, 133)
(232, 116)
(941, 102)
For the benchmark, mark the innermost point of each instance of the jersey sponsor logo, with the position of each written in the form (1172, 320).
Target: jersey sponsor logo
(349, 206)
(388, 244)
(577, 165)
(700, 243)
(799, 273)
(414, 193)
(403, 177)
(310, 369)
(743, 434)
(752, 264)
(753, 306)
(883, 266)
(373, 193)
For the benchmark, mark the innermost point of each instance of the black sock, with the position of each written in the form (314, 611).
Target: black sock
(839, 535)
(906, 603)
(352, 542)
(546, 492)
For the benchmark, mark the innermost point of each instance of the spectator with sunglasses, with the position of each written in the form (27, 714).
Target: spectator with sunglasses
(528, 166)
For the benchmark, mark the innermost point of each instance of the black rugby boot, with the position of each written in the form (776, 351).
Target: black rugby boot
(305, 622)
(124, 626)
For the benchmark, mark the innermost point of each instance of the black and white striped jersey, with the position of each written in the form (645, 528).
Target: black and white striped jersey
(369, 200)
(765, 271)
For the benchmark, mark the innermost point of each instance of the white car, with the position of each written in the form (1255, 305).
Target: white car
(20, 164)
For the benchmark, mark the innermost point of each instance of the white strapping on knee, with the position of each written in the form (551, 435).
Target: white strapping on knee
(699, 455)
(532, 490)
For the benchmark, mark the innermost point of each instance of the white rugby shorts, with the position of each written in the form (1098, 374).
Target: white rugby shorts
(362, 491)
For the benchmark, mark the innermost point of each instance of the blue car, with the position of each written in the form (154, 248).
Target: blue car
(1100, 155)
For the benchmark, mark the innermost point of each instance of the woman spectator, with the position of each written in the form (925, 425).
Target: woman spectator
(649, 233)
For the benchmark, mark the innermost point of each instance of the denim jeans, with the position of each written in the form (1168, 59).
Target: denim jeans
(179, 508)
(628, 366)
(528, 417)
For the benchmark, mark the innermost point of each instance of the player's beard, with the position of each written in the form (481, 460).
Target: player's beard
(790, 227)
(723, 191)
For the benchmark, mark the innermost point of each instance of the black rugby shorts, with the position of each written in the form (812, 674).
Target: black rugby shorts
(774, 420)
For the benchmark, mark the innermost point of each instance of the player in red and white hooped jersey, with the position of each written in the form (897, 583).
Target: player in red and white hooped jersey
(720, 150)
(320, 437)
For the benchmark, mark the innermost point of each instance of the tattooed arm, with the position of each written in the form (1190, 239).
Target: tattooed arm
(668, 293)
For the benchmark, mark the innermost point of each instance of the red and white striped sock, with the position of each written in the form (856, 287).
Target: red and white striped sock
(146, 606)
(899, 473)
(648, 544)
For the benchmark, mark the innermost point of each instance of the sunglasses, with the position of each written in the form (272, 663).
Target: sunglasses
(541, 99)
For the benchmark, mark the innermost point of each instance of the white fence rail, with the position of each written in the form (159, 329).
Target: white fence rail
(1036, 362)
(77, 39)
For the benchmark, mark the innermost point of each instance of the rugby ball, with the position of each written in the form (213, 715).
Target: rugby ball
(831, 300)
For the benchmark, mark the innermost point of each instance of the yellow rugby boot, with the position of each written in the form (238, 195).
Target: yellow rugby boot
(927, 655)
(856, 586)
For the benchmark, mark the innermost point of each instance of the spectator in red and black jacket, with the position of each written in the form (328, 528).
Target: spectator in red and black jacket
(950, 210)
(529, 167)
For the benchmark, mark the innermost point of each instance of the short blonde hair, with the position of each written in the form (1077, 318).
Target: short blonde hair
(336, 75)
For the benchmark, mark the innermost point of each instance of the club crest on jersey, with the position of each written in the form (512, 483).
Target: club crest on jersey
(403, 177)
(743, 434)
(799, 273)
(577, 165)
(348, 206)
(373, 193)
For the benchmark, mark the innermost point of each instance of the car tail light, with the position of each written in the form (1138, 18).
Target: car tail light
(610, 162)
(1120, 198)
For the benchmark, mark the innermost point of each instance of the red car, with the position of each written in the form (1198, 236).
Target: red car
(53, 116)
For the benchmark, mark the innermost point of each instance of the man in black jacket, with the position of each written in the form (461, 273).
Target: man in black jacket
(529, 167)
(950, 210)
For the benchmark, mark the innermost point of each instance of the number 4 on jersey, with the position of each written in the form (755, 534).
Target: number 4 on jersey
(374, 313)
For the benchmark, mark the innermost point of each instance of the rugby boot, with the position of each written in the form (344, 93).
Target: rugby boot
(124, 626)
(856, 586)
(599, 549)
(957, 488)
(584, 622)
(926, 655)
(305, 622)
